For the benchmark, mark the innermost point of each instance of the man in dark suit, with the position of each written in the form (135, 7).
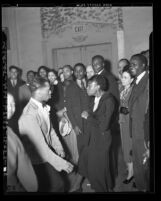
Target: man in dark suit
(98, 64)
(78, 101)
(25, 91)
(138, 107)
(13, 84)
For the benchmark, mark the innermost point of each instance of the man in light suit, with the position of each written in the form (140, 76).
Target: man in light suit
(20, 173)
(138, 108)
(41, 141)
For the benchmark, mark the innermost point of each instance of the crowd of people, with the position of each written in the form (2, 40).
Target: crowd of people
(64, 124)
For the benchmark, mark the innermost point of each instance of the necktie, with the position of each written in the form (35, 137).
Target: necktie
(44, 104)
(82, 84)
(14, 83)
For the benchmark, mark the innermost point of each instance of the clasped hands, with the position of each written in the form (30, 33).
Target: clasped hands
(60, 152)
(84, 114)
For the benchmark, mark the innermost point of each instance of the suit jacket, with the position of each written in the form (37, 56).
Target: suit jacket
(113, 85)
(24, 95)
(77, 101)
(105, 115)
(14, 90)
(138, 107)
(21, 176)
(39, 137)
(60, 96)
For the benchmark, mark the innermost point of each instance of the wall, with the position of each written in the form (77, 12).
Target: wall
(138, 24)
(9, 20)
(25, 36)
(30, 50)
(96, 25)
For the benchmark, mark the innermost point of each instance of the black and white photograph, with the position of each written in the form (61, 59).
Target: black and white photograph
(76, 89)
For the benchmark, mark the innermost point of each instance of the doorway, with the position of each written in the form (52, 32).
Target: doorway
(83, 54)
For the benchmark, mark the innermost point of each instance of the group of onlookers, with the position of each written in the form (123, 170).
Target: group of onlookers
(68, 120)
(134, 122)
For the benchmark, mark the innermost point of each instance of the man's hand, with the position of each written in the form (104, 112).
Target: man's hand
(84, 114)
(60, 152)
(68, 167)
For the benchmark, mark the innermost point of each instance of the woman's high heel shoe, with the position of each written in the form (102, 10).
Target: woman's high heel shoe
(127, 181)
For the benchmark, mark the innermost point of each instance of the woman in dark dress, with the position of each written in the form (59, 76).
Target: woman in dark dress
(51, 75)
(94, 159)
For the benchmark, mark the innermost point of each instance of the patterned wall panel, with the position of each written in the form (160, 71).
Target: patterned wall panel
(55, 20)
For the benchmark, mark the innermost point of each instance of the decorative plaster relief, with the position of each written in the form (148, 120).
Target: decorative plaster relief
(80, 38)
(56, 20)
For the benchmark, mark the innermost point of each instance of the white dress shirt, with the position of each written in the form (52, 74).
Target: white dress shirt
(14, 82)
(139, 77)
(79, 82)
(96, 102)
(100, 72)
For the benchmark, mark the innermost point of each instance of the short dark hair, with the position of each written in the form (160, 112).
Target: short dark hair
(31, 71)
(53, 71)
(42, 67)
(98, 57)
(127, 69)
(101, 81)
(37, 83)
(68, 66)
(124, 59)
(14, 67)
(80, 64)
(141, 58)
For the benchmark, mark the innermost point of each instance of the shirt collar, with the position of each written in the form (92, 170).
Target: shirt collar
(37, 103)
(139, 77)
(79, 82)
(100, 72)
(97, 98)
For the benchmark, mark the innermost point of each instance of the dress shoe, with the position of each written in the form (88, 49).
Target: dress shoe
(127, 181)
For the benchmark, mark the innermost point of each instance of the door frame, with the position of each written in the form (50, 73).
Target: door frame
(79, 46)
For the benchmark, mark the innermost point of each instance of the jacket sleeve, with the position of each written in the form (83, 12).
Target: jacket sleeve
(35, 135)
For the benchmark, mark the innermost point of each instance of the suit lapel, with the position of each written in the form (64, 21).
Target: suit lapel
(105, 96)
(137, 90)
